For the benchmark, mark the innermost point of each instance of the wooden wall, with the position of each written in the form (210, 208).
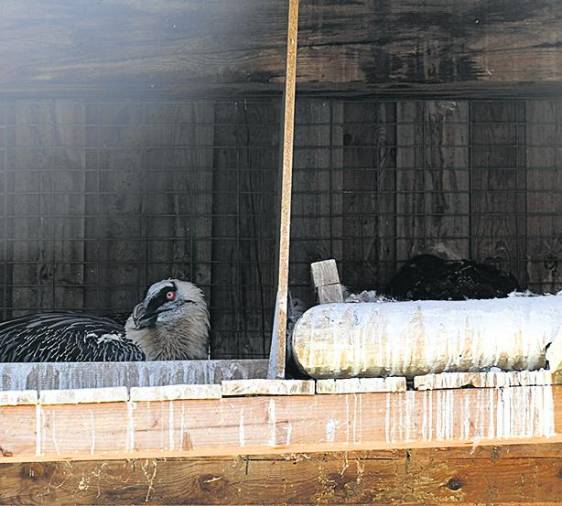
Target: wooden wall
(100, 198)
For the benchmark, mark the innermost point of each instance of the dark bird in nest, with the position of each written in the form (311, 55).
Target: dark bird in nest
(428, 277)
(171, 323)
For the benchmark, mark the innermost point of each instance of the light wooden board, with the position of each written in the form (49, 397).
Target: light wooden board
(360, 385)
(237, 388)
(326, 280)
(18, 397)
(84, 395)
(482, 379)
(522, 474)
(61, 375)
(175, 392)
(284, 424)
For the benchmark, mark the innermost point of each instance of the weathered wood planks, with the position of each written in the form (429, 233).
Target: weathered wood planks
(71, 375)
(500, 475)
(458, 47)
(283, 424)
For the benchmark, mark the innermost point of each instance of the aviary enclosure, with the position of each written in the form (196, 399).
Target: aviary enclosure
(102, 198)
(141, 140)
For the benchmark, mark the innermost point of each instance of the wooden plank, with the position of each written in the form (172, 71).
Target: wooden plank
(283, 424)
(497, 475)
(326, 280)
(175, 392)
(482, 379)
(18, 397)
(84, 395)
(238, 388)
(73, 375)
(475, 47)
(360, 385)
(278, 353)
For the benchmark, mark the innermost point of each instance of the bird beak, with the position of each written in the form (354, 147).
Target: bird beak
(142, 318)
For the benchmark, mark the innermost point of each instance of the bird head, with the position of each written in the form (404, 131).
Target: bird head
(172, 322)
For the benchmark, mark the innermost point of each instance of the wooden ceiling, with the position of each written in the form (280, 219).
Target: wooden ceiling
(176, 48)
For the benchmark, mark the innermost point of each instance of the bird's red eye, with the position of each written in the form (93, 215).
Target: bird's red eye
(171, 295)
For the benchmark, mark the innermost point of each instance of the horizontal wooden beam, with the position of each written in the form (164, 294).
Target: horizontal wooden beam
(173, 49)
(73, 375)
(498, 475)
(265, 425)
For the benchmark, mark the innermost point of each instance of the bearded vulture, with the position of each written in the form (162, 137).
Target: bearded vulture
(171, 323)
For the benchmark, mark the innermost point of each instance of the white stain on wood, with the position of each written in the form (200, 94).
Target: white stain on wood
(271, 422)
(331, 426)
(38, 430)
(130, 443)
(493, 413)
(417, 338)
(241, 430)
(74, 375)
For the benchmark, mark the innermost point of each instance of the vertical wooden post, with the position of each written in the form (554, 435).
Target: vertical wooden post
(279, 335)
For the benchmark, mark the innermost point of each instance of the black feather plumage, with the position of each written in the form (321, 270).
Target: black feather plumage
(428, 277)
(65, 337)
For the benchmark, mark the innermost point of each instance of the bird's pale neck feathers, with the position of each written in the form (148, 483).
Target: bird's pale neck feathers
(182, 334)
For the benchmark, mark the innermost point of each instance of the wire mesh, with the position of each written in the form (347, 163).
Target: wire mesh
(100, 199)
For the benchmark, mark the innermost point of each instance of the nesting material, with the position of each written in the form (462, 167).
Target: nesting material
(175, 392)
(360, 385)
(423, 337)
(448, 380)
(84, 395)
(237, 388)
(18, 397)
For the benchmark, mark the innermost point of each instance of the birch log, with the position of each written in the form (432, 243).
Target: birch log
(415, 338)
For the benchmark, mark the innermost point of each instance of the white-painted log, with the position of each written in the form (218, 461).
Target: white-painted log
(417, 338)
(84, 395)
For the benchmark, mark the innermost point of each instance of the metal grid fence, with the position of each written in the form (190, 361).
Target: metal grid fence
(99, 199)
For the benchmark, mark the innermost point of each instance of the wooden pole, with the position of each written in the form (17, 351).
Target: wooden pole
(278, 339)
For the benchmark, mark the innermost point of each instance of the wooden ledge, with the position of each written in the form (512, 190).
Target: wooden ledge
(282, 424)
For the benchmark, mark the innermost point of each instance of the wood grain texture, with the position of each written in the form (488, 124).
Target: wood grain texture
(283, 424)
(498, 189)
(175, 48)
(483, 379)
(238, 388)
(522, 474)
